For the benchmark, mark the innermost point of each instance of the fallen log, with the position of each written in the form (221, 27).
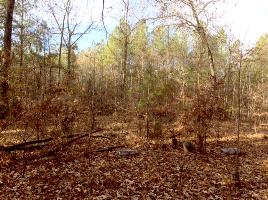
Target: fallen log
(69, 142)
(22, 146)
(37, 144)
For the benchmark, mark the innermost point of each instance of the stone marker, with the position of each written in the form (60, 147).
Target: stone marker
(230, 150)
(127, 152)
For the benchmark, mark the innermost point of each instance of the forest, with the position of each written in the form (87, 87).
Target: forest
(130, 99)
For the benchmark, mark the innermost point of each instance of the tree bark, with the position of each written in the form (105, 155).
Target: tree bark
(125, 68)
(201, 31)
(6, 58)
(60, 48)
(21, 36)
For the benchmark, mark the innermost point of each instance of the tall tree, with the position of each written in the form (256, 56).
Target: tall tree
(6, 57)
(70, 29)
(194, 15)
(24, 27)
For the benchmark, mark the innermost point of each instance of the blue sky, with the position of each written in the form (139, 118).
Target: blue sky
(245, 19)
(112, 14)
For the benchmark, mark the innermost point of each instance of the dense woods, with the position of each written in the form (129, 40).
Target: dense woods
(167, 105)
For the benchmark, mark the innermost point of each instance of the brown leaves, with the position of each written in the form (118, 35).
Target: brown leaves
(152, 174)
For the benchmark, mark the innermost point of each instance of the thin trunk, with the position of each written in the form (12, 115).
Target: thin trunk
(101, 86)
(69, 64)
(44, 84)
(236, 174)
(125, 56)
(22, 35)
(147, 113)
(39, 82)
(69, 42)
(262, 84)
(50, 65)
(125, 68)
(228, 85)
(93, 97)
(239, 104)
(141, 73)
(239, 99)
(60, 48)
(249, 91)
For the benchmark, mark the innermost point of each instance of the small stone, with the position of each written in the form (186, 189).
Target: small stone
(230, 150)
(127, 152)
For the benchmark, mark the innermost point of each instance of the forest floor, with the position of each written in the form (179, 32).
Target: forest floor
(81, 172)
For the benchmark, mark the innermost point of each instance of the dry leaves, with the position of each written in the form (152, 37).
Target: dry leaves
(152, 174)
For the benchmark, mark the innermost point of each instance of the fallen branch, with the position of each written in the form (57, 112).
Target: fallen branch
(69, 142)
(37, 144)
(23, 146)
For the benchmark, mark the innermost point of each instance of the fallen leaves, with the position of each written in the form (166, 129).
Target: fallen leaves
(152, 174)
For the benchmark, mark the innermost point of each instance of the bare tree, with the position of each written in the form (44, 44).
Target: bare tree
(70, 32)
(194, 15)
(129, 21)
(61, 27)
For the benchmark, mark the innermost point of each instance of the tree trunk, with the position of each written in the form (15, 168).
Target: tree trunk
(69, 64)
(201, 31)
(93, 96)
(60, 48)
(6, 58)
(21, 36)
(125, 69)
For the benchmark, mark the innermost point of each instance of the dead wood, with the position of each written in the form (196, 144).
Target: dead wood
(37, 144)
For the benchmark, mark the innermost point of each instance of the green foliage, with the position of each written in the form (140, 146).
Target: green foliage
(161, 91)
(112, 53)
(159, 43)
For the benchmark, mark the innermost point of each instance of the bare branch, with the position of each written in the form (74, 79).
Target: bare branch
(81, 34)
